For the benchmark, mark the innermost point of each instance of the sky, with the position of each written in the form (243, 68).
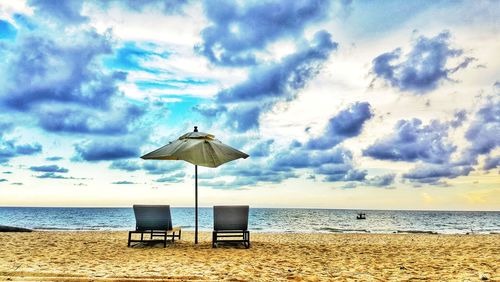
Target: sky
(340, 104)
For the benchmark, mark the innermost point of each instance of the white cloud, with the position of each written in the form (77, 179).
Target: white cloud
(149, 25)
(9, 8)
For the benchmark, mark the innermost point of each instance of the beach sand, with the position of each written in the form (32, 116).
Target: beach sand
(95, 256)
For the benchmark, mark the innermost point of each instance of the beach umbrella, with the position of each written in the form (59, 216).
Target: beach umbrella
(200, 149)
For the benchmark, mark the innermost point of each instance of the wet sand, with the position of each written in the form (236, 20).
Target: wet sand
(96, 256)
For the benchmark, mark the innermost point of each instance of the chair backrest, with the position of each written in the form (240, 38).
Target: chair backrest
(231, 217)
(152, 217)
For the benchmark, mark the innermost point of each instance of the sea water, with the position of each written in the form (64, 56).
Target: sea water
(264, 220)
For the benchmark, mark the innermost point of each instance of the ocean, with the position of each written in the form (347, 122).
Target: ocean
(264, 220)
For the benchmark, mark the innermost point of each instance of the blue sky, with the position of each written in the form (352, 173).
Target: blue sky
(340, 104)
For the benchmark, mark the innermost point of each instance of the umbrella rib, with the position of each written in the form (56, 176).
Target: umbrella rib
(212, 154)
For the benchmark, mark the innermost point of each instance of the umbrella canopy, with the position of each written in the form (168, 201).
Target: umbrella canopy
(198, 148)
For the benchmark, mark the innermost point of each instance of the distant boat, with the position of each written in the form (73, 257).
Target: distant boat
(361, 215)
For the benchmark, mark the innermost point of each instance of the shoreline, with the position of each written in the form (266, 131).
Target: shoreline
(104, 255)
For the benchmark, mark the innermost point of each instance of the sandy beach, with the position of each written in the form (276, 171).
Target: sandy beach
(84, 256)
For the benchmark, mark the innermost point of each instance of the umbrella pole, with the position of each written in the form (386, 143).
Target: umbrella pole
(196, 204)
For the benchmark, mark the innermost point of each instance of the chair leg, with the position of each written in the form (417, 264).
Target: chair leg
(214, 239)
(129, 238)
(247, 243)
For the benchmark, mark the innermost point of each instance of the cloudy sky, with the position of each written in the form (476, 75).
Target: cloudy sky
(340, 104)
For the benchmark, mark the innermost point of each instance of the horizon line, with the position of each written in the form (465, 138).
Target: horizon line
(311, 208)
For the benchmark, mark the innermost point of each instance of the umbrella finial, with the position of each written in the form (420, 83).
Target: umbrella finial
(196, 129)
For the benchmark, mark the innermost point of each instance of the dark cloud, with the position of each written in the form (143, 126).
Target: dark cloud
(207, 174)
(432, 173)
(382, 180)
(484, 131)
(53, 176)
(168, 179)
(214, 183)
(123, 182)
(244, 173)
(10, 149)
(28, 149)
(284, 78)
(268, 84)
(335, 164)
(346, 124)
(115, 122)
(65, 12)
(107, 149)
(258, 173)
(239, 29)
(3, 180)
(78, 79)
(49, 168)
(341, 172)
(80, 97)
(413, 142)
(210, 111)
(248, 175)
(352, 175)
(155, 167)
(172, 178)
(303, 158)
(491, 163)
(261, 149)
(295, 144)
(162, 167)
(125, 165)
(459, 119)
(55, 158)
(423, 68)
(243, 118)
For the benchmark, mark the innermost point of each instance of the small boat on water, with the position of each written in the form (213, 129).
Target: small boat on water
(361, 215)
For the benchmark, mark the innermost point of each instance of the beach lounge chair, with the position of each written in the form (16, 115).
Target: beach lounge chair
(155, 222)
(231, 225)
